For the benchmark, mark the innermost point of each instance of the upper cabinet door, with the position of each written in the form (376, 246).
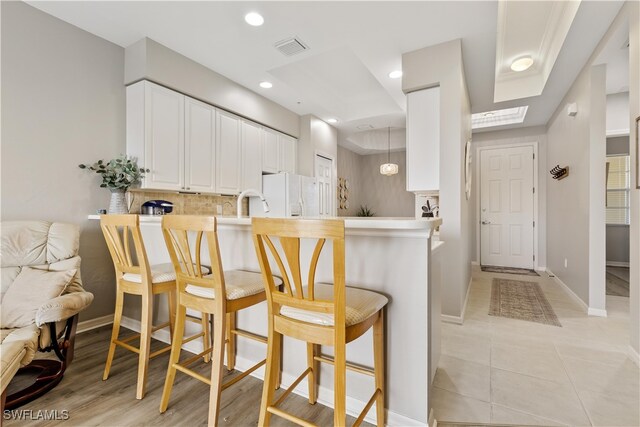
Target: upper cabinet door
(200, 146)
(228, 153)
(270, 151)
(251, 156)
(288, 153)
(423, 140)
(164, 138)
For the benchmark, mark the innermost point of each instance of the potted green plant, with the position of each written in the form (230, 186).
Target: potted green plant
(118, 175)
(364, 211)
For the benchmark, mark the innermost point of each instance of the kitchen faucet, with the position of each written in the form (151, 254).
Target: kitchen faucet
(251, 192)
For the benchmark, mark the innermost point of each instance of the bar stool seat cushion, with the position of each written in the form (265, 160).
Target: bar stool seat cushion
(238, 283)
(160, 273)
(361, 304)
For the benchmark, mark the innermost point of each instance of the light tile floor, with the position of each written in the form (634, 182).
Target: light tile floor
(504, 371)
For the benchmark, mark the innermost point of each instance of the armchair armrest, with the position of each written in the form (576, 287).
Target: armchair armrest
(63, 307)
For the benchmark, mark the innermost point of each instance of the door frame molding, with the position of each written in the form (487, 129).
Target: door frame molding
(536, 183)
(334, 178)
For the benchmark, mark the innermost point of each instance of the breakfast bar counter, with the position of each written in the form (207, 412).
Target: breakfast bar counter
(394, 256)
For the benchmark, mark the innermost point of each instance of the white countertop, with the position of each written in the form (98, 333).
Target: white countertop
(406, 224)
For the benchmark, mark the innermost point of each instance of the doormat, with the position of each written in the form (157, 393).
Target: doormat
(520, 300)
(509, 270)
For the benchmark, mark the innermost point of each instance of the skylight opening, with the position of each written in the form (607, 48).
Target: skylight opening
(507, 116)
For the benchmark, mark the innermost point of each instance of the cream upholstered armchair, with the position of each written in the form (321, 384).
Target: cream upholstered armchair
(41, 296)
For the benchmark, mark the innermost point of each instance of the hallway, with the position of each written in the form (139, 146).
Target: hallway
(506, 371)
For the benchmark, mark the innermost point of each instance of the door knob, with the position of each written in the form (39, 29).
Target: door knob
(486, 222)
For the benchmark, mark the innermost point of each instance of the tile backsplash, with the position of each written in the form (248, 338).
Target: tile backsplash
(188, 204)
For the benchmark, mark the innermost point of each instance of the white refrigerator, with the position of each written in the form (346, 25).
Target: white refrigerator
(287, 195)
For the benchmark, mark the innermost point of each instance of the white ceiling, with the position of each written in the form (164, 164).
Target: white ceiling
(533, 29)
(353, 47)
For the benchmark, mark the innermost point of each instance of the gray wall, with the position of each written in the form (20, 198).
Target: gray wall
(148, 59)
(618, 235)
(631, 13)
(441, 65)
(63, 103)
(386, 196)
(508, 137)
(575, 205)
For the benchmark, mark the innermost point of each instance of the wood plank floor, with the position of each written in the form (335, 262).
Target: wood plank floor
(93, 402)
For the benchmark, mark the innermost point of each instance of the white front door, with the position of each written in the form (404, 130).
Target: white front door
(506, 207)
(324, 178)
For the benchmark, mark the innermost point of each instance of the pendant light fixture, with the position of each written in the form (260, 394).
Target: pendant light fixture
(389, 168)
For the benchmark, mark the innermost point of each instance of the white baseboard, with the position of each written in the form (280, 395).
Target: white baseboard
(598, 312)
(568, 290)
(458, 320)
(617, 264)
(325, 395)
(475, 263)
(633, 354)
(87, 325)
(541, 268)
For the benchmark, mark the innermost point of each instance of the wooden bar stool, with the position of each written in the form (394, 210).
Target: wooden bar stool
(320, 314)
(221, 293)
(135, 276)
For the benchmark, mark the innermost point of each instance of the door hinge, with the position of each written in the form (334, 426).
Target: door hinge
(534, 190)
(534, 223)
(534, 257)
(534, 156)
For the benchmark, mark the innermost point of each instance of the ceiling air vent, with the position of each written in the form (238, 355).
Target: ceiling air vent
(292, 46)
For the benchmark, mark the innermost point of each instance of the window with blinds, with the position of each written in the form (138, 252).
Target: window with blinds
(618, 186)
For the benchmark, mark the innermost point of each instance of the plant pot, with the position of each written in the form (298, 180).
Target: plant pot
(118, 202)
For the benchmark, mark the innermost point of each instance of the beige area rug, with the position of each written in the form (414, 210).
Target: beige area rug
(520, 300)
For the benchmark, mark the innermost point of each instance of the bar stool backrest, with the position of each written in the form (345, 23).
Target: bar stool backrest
(120, 231)
(183, 235)
(294, 293)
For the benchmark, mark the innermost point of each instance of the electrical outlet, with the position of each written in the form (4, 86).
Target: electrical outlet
(565, 263)
(218, 209)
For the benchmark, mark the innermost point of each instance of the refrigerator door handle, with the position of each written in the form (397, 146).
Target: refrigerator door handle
(301, 202)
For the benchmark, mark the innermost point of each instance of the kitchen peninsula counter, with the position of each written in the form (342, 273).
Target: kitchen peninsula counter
(394, 256)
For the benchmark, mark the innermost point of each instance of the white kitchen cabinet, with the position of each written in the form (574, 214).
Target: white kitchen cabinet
(155, 134)
(279, 152)
(228, 153)
(270, 151)
(288, 153)
(423, 140)
(200, 146)
(252, 158)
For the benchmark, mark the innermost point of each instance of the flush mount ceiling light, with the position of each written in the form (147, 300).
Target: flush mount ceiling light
(332, 120)
(389, 168)
(507, 116)
(395, 74)
(522, 64)
(254, 19)
(266, 85)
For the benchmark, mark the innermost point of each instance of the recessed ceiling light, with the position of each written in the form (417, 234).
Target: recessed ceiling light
(522, 64)
(395, 74)
(266, 85)
(332, 120)
(254, 19)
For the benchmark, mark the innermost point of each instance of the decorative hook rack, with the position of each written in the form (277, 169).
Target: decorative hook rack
(559, 173)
